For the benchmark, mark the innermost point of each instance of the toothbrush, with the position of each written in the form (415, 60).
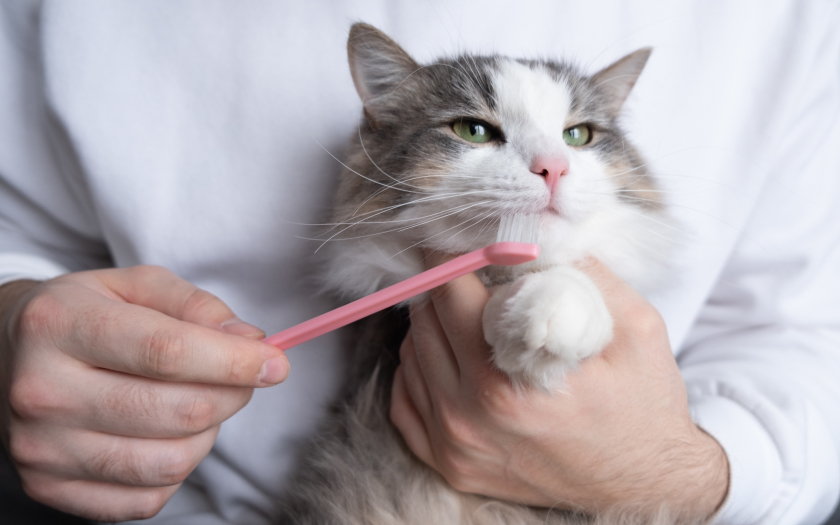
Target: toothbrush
(516, 243)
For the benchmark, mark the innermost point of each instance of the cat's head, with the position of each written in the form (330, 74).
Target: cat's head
(445, 149)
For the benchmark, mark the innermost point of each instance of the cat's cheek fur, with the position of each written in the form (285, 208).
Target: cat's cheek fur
(542, 325)
(368, 265)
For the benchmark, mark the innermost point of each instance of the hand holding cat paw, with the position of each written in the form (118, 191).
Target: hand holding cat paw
(543, 324)
(618, 434)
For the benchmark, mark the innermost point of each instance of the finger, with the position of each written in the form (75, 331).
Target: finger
(95, 500)
(150, 408)
(459, 305)
(632, 314)
(118, 403)
(620, 297)
(432, 350)
(140, 341)
(408, 421)
(415, 382)
(95, 456)
(157, 288)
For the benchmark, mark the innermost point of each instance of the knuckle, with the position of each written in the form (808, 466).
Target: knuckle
(150, 503)
(25, 451)
(110, 465)
(32, 399)
(165, 354)
(36, 488)
(147, 272)
(455, 470)
(164, 467)
(201, 301)
(499, 402)
(174, 467)
(133, 402)
(196, 413)
(239, 369)
(39, 315)
(455, 428)
(648, 321)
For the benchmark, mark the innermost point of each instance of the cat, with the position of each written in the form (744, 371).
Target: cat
(443, 151)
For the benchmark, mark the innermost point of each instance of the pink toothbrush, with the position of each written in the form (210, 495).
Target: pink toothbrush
(515, 244)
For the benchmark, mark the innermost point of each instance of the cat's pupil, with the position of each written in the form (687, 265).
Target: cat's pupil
(476, 129)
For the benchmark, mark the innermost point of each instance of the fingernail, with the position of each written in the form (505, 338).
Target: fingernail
(274, 370)
(239, 327)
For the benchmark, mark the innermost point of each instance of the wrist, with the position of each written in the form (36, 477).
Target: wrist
(701, 487)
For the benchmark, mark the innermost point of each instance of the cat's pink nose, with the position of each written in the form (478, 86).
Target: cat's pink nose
(551, 168)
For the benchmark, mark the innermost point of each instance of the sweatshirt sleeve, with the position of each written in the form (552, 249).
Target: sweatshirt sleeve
(48, 225)
(762, 367)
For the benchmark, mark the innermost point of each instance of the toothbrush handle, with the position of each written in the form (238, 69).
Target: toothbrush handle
(498, 253)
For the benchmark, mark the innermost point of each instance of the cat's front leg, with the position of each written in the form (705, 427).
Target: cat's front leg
(543, 324)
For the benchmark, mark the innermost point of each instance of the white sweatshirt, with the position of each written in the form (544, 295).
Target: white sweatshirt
(195, 135)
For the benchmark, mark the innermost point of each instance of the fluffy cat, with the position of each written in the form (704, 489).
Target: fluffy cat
(444, 150)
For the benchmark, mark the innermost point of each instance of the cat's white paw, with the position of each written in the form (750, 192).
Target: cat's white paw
(544, 323)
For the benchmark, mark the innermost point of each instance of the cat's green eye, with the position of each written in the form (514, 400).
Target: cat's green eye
(579, 135)
(473, 131)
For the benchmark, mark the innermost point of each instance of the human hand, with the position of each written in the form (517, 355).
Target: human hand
(618, 435)
(114, 384)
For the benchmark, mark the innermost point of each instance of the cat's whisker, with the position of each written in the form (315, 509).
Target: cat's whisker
(430, 237)
(717, 219)
(491, 222)
(385, 188)
(474, 220)
(421, 200)
(354, 171)
(463, 208)
(660, 176)
(334, 236)
(424, 200)
(396, 181)
(337, 224)
(476, 73)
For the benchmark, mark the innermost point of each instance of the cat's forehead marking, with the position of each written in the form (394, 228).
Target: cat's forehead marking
(531, 98)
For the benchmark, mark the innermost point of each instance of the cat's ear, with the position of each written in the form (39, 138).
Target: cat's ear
(378, 65)
(617, 79)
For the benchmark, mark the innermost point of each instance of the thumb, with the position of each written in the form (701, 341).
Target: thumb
(459, 305)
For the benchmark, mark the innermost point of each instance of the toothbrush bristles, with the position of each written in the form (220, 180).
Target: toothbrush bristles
(519, 227)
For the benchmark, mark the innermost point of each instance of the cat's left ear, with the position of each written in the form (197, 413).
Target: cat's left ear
(378, 66)
(617, 79)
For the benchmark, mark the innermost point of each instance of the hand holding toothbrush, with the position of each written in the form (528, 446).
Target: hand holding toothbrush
(117, 382)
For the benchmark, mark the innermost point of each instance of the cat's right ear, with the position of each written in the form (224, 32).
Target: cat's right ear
(378, 66)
